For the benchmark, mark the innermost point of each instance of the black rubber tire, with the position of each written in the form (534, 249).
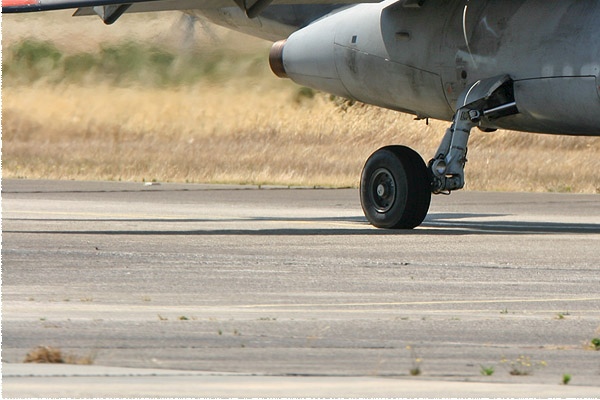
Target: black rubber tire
(395, 188)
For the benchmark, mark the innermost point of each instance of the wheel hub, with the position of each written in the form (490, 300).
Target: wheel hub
(383, 190)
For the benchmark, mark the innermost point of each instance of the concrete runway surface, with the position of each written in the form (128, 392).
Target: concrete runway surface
(233, 291)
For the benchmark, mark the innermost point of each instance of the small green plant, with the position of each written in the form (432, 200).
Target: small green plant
(562, 315)
(487, 370)
(416, 362)
(183, 318)
(595, 343)
(523, 365)
(566, 379)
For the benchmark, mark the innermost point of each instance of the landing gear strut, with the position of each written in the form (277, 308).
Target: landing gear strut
(485, 100)
(396, 186)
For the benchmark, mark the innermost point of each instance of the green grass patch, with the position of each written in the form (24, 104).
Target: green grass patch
(126, 64)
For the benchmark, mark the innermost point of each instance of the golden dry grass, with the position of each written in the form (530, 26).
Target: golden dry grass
(242, 130)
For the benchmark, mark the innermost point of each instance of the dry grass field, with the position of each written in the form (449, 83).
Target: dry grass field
(233, 123)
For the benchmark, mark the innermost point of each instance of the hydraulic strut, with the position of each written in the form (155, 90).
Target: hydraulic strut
(487, 99)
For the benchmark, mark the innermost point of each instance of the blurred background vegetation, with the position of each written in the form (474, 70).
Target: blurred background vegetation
(125, 63)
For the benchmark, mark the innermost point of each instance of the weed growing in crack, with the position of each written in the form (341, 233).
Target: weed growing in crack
(416, 362)
(486, 370)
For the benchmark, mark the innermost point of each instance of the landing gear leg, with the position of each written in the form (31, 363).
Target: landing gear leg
(396, 186)
(448, 166)
(488, 99)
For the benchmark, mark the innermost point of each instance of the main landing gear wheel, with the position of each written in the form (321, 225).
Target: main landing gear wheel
(395, 188)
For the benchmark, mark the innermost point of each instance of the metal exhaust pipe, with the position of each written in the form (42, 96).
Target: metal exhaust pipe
(276, 59)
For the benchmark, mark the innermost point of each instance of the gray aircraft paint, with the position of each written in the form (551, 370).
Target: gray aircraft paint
(419, 59)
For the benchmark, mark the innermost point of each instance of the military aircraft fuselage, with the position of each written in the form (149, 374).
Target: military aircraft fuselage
(424, 57)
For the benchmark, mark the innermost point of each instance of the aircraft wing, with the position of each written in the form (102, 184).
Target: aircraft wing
(112, 9)
(17, 6)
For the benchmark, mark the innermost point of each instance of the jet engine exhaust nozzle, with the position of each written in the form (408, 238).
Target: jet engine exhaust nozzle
(276, 59)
